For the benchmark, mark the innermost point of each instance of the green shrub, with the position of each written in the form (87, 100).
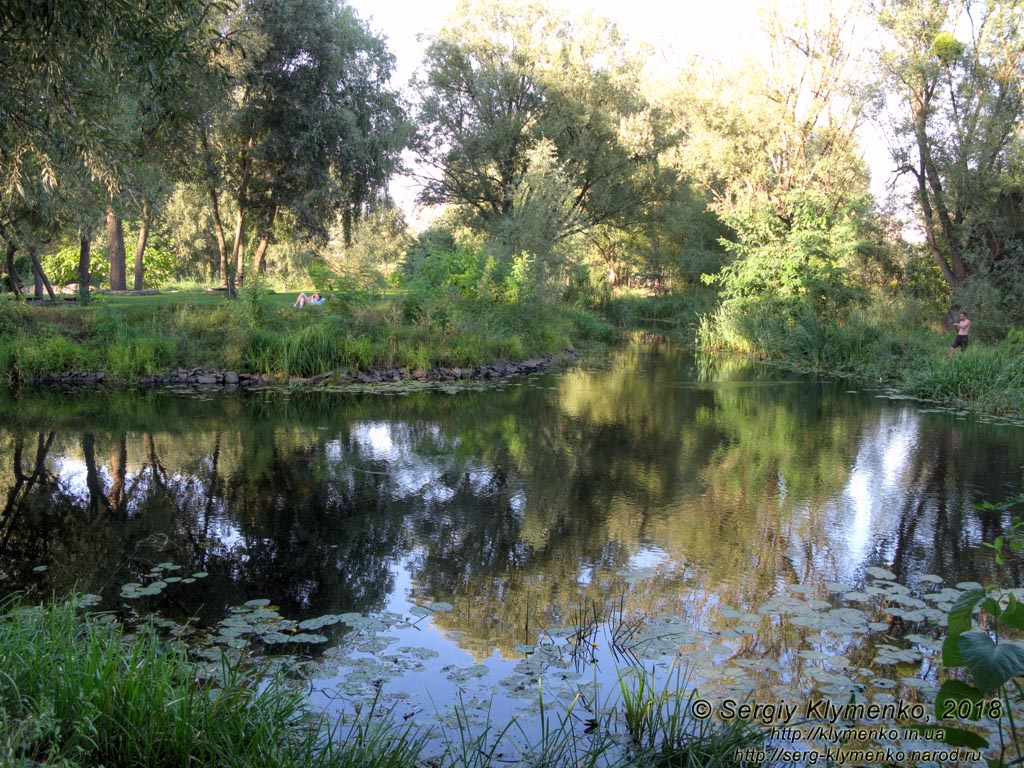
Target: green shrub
(263, 351)
(590, 326)
(14, 316)
(255, 304)
(357, 353)
(62, 267)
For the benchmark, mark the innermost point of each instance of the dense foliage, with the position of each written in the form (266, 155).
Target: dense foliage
(251, 143)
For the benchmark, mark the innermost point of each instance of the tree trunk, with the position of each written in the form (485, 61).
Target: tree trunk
(12, 278)
(933, 199)
(140, 246)
(84, 260)
(259, 259)
(97, 500)
(41, 281)
(115, 236)
(222, 245)
(238, 245)
(241, 201)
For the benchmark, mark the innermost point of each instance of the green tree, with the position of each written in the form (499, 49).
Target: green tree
(535, 126)
(308, 124)
(950, 82)
(66, 86)
(775, 148)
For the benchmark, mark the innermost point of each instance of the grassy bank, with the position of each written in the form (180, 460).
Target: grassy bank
(127, 337)
(80, 691)
(900, 345)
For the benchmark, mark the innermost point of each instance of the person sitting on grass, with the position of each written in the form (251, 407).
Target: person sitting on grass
(303, 300)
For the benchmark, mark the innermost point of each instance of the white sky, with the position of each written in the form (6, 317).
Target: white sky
(718, 28)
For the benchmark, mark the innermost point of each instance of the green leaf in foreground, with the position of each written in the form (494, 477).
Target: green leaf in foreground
(1013, 614)
(954, 737)
(953, 691)
(991, 665)
(960, 621)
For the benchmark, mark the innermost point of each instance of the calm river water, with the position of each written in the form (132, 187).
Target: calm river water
(462, 543)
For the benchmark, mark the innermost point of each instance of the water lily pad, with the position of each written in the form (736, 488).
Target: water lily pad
(636, 577)
(276, 638)
(835, 586)
(812, 655)
(969, 585)
(419, 653)
(879, 573)
(466, 673)
(305, 637)
(320, 621)
(914, 682)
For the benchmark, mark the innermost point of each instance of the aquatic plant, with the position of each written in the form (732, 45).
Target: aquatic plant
(989, 655)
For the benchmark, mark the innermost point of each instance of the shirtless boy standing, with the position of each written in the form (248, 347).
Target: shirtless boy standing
(963, 328)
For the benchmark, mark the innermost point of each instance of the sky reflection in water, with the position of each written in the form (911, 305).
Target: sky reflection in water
(659, 486)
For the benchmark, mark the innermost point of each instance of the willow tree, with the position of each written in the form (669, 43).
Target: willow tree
(65, 80)
(953, 97)
(534, 125)
(308, 124)
(775, 148)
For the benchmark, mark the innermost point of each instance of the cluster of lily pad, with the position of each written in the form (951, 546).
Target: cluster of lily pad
(877, 641)
(160, 577)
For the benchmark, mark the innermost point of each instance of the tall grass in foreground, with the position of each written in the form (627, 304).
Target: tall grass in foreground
(79, 691)
(83, 693)
(663, 734)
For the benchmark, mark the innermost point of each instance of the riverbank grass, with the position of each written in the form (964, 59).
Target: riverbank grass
(80, 692)
(899, 346)
(129, 337)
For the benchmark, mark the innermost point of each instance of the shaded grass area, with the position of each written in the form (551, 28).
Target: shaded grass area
(82, 691)
(128, 337)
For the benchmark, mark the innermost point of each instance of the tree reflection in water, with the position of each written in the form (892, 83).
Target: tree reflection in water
(516, 504)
